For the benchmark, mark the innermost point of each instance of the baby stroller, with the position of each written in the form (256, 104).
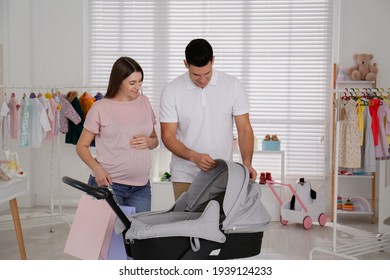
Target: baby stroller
(307, 213)
(221, 216)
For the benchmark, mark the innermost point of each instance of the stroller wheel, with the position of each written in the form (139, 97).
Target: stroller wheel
(283, 221)
(322, 219)
(307, 222)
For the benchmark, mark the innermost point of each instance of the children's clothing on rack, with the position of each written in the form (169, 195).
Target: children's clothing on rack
(364, 130)
(4, 121)
(98, 96)
(14, 106)
(54, 110)
(67, 112)
(38, 122)
(349, 149)
(368, 159)
(374, 106)
(24, 124)
(86, 101)
(74, 130)
(360, 112)
(38, 117)
(383, 114)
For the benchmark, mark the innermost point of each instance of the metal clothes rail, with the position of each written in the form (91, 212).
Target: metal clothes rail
(51, 218)
(368, 244)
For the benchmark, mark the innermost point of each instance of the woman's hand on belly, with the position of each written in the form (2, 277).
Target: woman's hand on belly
(139, 142)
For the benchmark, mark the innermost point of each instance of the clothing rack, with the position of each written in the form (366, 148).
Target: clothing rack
(55, 164)
(26, 87)
(80, 89)
(52, 89)
(39, 218)
(350, 250)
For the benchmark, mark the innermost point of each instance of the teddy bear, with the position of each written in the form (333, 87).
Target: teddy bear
(363, 70)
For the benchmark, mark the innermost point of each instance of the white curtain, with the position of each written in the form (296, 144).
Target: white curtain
(279, 49)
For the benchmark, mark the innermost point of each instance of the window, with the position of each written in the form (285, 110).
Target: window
(280, 50)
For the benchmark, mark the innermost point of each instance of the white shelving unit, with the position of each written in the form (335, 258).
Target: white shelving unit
(267, 161)
(338, 86)
(263, 161)
(346, 248)
(162, 192)
(367, 211)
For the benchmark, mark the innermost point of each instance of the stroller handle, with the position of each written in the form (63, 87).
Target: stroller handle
(97, 192)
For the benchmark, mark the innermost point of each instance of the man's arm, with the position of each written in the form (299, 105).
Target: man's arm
(245, 142)
(168, 136)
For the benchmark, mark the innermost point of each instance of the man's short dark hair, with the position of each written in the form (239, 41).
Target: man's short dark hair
(199, 52)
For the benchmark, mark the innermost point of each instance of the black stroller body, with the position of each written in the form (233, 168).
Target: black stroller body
(220, 217)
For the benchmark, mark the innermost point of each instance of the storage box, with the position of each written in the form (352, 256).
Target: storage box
(270, 145)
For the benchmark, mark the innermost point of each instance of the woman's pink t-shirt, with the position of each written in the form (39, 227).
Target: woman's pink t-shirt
(115, 123)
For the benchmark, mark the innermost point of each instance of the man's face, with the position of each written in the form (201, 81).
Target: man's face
(200, 76)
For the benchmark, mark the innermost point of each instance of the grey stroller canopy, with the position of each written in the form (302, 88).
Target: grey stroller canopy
(221, 201)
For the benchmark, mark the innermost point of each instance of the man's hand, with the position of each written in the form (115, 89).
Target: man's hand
(252, 172)
(204, 162)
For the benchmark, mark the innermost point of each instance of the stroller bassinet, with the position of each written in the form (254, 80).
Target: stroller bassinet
(220, 217)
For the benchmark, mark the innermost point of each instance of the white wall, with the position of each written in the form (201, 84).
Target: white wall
(44, 45)
(365, 29)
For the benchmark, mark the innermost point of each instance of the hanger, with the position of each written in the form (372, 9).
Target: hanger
(32, 95)
(363, 101)
(354, 95)
(345, 97)
(71, 95)
(362, 98)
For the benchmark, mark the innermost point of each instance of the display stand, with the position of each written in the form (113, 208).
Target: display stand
(348, 249)
(339, 87)
(52, 217)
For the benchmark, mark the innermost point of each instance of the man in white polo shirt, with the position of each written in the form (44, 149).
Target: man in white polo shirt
(197, 110)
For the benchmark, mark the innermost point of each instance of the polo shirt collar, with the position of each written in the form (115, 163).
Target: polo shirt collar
(191, 85)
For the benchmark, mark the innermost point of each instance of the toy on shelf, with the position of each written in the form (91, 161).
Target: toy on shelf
(348, 205)
(360, 204)
(4, 175)
(308, 212)
(339, 202)
(165, 177)
(13, 168)
(364, 70)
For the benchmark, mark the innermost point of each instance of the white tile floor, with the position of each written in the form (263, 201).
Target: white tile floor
(45, 237)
